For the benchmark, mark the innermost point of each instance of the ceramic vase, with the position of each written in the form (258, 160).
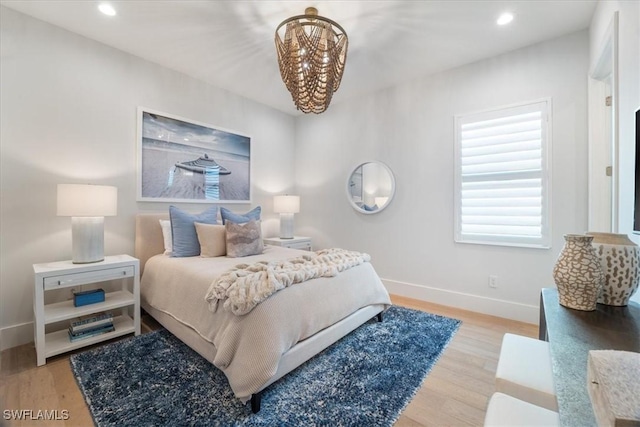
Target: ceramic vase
(578, 273)
(620, 261)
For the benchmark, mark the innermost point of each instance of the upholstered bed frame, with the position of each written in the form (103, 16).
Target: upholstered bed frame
(149, 242)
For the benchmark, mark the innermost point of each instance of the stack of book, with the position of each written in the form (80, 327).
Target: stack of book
(89, 326)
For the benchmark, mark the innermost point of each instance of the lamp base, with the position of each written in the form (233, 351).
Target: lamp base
(87, 239)
(286, 226)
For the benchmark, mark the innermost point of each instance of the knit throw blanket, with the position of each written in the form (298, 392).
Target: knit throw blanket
(245, 286)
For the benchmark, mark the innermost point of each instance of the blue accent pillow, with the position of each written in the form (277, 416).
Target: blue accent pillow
(227, 215)
(183, 230)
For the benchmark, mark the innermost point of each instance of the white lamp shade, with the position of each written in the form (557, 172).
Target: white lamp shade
(286, 204)
(79, 200)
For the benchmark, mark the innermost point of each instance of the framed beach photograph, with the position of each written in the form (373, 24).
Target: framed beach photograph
(181, 160)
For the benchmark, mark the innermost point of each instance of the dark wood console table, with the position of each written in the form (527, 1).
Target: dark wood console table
(571, 334)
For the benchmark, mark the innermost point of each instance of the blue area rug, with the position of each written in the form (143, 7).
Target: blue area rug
(365, 379)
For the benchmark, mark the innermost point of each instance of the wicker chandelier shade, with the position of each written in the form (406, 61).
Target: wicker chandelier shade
(311, 56)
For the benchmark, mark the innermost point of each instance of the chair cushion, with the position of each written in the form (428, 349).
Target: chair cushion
(507, 411)
(524, 371)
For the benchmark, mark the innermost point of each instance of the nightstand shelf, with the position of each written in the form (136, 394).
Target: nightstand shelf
(298, 242)
(65, 310)
(58, 342)
(65, 274)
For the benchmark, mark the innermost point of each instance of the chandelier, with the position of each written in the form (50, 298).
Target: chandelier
(311, 57)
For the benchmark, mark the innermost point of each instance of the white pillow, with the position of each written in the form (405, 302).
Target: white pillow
(165, 224)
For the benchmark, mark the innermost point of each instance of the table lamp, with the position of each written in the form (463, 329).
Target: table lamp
(286, 206)
(87, 205)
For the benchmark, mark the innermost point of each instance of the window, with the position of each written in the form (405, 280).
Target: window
(502, 176)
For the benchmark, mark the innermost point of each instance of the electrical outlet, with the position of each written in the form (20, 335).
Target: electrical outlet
(493, 281)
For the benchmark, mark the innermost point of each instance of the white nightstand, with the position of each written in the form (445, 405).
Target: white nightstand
(65, 274)
(298, 242)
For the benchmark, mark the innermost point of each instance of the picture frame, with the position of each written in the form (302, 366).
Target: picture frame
(182, 160)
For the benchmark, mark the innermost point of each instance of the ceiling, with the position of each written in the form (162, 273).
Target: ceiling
(230, 44)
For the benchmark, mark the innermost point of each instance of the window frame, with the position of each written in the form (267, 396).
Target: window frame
(544, 242)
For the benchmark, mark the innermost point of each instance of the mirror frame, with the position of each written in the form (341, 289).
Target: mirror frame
(391, 196)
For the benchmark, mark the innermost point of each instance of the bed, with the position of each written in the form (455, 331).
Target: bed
(278, 335)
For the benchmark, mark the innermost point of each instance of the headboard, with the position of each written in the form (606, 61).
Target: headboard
(149, 240)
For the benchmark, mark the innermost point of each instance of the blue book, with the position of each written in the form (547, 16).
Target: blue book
(91, 333)
(91, 321)
(97, 325)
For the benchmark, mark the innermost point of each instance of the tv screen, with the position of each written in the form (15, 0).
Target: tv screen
(636, 215)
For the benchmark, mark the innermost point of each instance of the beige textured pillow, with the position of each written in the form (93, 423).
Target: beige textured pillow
(212, 238)
(244, 239)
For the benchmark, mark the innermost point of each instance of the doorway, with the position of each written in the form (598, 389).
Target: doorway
(603, 135)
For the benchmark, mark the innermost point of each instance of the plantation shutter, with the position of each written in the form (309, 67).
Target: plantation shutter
(502, 181)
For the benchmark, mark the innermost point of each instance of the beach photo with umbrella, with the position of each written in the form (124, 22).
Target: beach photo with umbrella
(181, 160)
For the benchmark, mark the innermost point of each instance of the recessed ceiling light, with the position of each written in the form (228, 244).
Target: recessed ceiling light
(505, 18)
(107, 9)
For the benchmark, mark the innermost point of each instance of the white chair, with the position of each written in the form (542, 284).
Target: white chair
(524, 371)
(507, 411)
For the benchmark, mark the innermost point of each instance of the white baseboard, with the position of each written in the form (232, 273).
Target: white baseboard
(13, 336)
(494, 307)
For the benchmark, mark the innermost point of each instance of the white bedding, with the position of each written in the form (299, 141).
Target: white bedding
(249, 347)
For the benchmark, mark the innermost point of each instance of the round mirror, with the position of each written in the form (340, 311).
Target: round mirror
(370, 187)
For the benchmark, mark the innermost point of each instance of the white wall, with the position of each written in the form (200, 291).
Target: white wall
(628, 99)
(68, 113)
(410, 127)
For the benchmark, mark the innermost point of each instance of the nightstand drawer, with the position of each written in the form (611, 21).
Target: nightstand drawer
(306, 246)
(298, 242)
(76, 279)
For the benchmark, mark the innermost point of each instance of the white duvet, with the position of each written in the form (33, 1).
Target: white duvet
(249, 347)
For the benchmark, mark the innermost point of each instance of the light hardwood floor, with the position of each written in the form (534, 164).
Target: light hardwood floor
(455, 392)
